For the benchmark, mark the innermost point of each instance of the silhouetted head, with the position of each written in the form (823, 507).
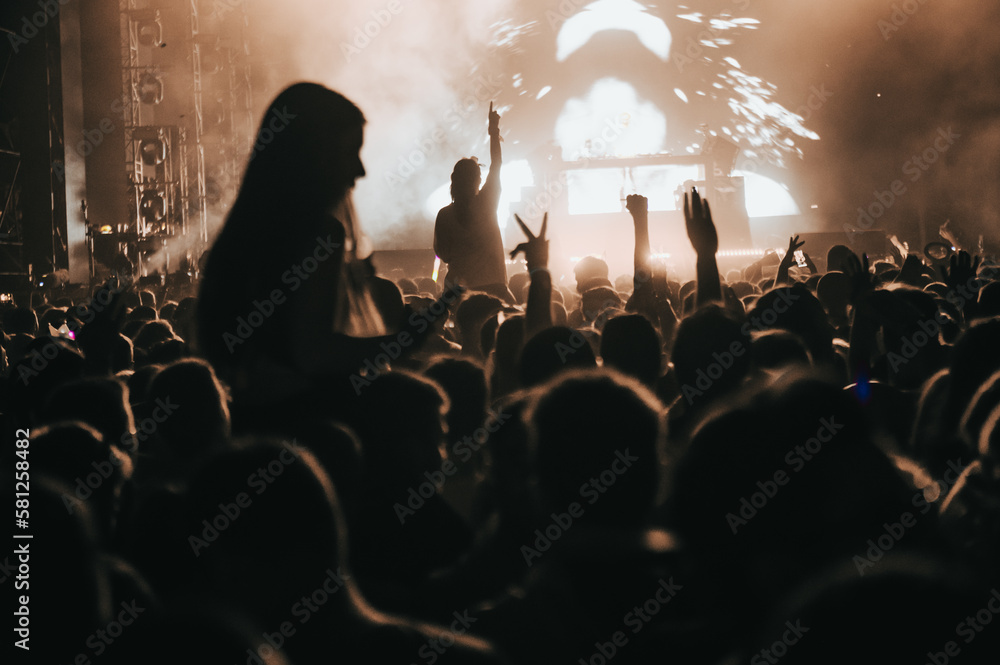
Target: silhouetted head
(187, 409)
(834, 292)
(473, 311)
(287, 534)
(388, 300)
(308, 145)
(464, 382)
(710, 353)
(102, 403)
(600, 430)
(551, 351)
(595, 300)
(94, 469)
(836, 257)
(631, 345)
(590, 272)
(796, 309)
(400, 420)
(465, 179)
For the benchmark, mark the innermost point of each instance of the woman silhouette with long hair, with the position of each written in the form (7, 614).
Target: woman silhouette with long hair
(284, 307)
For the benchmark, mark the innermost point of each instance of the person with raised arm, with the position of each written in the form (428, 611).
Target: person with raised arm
(466, 231)
(705, 240)
(649, 292)
(781, 278)
(538, 312)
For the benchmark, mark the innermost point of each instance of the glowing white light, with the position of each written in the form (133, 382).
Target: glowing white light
(766, 197)
(602, 15)
(610, 122)
(513, 177)
(681, 95)
(544, 91)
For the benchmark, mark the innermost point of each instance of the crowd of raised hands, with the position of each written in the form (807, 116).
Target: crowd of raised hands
(776, 464)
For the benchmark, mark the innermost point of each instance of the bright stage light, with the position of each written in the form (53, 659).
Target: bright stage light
(603, 15)
(766, 197)
(513, 177)
(610, 121)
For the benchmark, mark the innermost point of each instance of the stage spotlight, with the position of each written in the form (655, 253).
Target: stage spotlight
(603, 15)
(150, 88)
(153, 151)
(148, 27)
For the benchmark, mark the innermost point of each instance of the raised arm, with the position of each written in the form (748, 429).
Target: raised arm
(705, 240)
(538, 313)
(492, 186)
(638, 207)
(781, 278)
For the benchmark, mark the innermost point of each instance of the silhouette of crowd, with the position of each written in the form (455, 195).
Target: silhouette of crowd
(297, 461)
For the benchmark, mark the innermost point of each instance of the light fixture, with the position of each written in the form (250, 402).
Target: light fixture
(152, 206)
(148, 27)
(153, 151)
(150, 88)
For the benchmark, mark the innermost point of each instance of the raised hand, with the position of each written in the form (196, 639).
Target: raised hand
(793, 246)
(536, 250)
(700, 227)
(637, 205)
(494, 122)
(963, 270)
(862, 283)
(946, 232)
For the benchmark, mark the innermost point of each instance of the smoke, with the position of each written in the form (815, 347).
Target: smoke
(423, 74)
(896, 74)
(900, 73)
